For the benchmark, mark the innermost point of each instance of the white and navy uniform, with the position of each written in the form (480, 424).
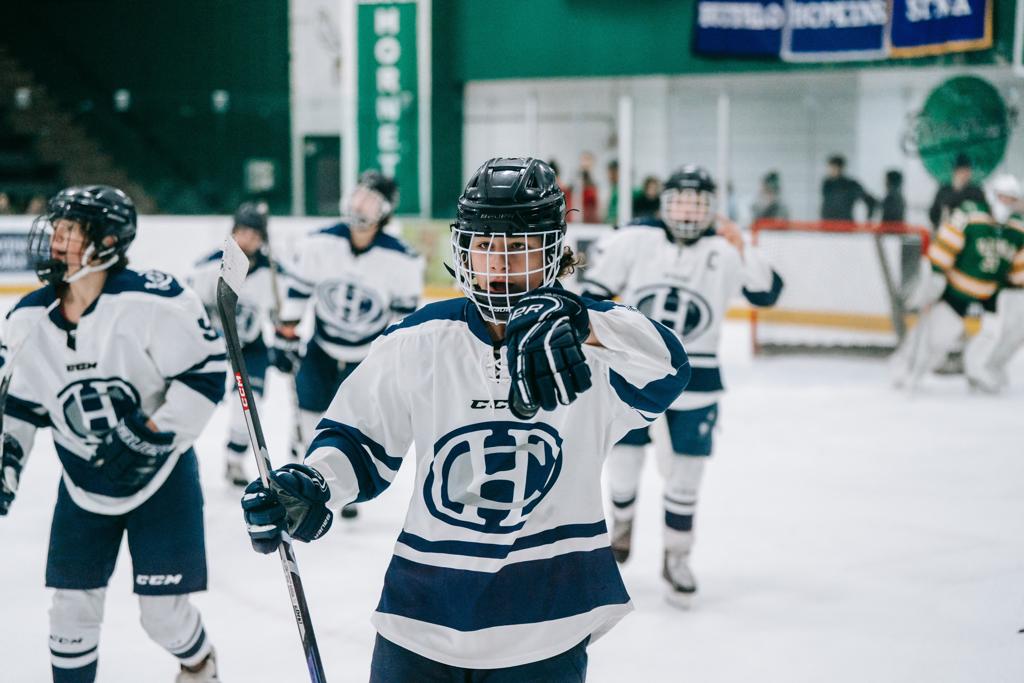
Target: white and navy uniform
(255, 314)
(504, 557)
(146, 342)
(355, 294)
(687, 288)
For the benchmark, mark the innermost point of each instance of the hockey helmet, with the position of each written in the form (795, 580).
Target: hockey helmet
(508, 233)
(252, 215)
(108, 218)
(372, 203)
(688, 203)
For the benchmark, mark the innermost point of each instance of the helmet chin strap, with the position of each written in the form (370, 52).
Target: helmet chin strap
(92, 268)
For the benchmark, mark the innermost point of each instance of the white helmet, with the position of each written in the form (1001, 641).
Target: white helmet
(1005, 196)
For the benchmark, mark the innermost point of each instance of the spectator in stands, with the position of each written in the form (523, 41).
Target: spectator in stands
(36, 205)
(894, 207)
(5, 204)
(839, 193)
(612, 212)
(647, 201)
(769, 201)
(566, 189)
(953, 194)
(587, 194)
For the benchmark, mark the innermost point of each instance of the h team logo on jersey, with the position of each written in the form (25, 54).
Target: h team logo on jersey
(92, 407)
(247, 319)
(349, 310)
(682, 310)
(489, 476)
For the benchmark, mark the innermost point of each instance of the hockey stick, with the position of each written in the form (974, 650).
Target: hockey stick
(233, 269)
(276, 314)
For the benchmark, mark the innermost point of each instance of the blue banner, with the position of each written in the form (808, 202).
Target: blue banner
(835, 30)
(749, 28)
(925, 27)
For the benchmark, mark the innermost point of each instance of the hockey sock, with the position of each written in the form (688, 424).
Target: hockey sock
(682, 484)
(175, 625)
(624, 466)
(75, 618)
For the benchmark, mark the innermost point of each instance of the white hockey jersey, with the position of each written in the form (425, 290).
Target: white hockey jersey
(686, 288)
(256, 301)
(504, 558)
(356, 294)
(146, 342)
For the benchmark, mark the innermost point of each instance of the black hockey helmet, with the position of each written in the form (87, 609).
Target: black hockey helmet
(252, 215)
(509, 197)
(688, 203)
(106, 214)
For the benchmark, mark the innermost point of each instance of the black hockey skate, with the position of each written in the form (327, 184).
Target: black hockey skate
(682, 585)
(622, 539)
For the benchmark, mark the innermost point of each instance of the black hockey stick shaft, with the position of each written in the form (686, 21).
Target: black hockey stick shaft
(227, 300)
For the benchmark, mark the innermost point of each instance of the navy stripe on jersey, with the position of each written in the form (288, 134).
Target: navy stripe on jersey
(499, 551)
(33, 413)
(464, 600)
(87, 477)
(209, 384)
(151, 282)
(295, 293)
(592, 289)
(320, 332)
(767, 298)
(359, 449)
(43, 297)
(655, 397)
(381, 240)
(705, 380)
(460, 309)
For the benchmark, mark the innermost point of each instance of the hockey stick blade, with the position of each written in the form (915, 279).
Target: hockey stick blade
(234, 267)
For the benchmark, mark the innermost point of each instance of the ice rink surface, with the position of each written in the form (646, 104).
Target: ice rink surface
(847, 533)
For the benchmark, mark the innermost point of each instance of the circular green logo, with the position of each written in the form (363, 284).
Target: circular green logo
(964, 115)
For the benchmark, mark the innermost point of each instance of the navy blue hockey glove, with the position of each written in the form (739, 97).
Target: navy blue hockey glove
(296, 503)
(284, 353)
(131, 452)
(544, 338)
(11, 462)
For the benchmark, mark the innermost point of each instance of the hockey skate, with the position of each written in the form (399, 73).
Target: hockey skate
(622, 539)
(234, 471)
(207, 673)
(682, 585)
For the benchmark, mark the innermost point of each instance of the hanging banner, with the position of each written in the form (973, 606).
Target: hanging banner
(388, 95)
(923, 27)
(835, 30)
(751, 28)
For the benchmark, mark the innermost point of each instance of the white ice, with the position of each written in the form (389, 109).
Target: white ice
(846, 533)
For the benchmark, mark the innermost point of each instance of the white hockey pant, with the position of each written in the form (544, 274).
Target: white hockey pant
(926, 346)
(1000, 337)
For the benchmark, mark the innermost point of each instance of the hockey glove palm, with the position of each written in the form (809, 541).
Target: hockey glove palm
(11, 462)
(284, 353)
(296, 502)
(131, 452)
(544, 339)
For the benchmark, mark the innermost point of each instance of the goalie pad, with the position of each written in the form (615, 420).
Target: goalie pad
(1001, 336)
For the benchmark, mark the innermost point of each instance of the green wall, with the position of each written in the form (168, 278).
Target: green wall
(170, 56)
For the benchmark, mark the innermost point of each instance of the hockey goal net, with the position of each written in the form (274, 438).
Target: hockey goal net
(845, 284)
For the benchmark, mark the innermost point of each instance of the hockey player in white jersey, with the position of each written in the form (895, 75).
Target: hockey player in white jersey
(256, 309)
(125, 369)
(359, 280)
(512, 396)
(681, 269)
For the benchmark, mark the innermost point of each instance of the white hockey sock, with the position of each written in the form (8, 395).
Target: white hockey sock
(75, 618)
(174, 624)
(682, 484)
(624, 466)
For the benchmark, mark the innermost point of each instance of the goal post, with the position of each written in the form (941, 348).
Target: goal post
(845, 284)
